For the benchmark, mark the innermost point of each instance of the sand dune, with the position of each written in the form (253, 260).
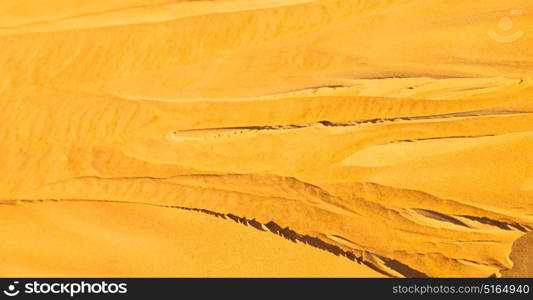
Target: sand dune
(266, 138)
(139, 240)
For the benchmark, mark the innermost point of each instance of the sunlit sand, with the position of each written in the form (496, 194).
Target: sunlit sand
(355, 138)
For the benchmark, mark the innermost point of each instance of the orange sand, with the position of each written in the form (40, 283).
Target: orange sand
(379, 137)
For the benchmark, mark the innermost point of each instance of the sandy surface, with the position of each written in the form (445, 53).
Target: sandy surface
(118, 239)
(266, 138)
(521, 257)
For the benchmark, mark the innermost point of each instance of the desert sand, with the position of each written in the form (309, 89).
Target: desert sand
(353, 138)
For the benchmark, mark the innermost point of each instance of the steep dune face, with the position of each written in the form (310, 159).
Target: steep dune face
(394, 134)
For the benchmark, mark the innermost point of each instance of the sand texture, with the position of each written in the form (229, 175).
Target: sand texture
(357, 138)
